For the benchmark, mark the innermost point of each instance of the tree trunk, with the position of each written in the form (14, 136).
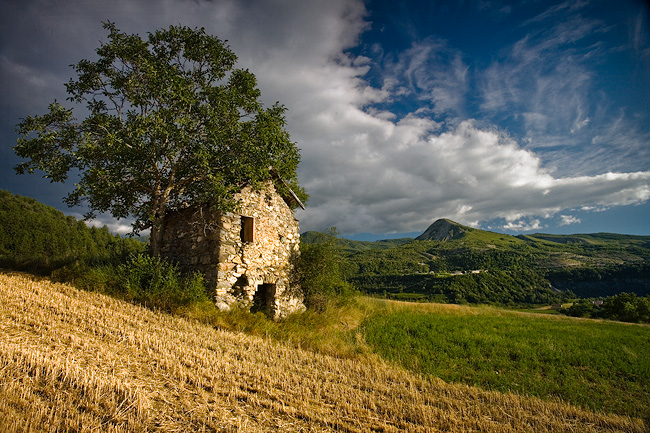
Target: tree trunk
(158, 223)
(156, 237)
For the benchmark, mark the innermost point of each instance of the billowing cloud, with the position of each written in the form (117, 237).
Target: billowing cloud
(368, 165)
(115, 227)
(467, 174)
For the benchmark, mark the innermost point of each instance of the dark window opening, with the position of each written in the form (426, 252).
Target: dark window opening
(247, 232)
(239, 288)
(264, 299)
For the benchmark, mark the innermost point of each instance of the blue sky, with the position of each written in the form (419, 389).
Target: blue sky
(508, 116)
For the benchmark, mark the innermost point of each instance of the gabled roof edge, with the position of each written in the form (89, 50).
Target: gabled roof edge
(276, 176)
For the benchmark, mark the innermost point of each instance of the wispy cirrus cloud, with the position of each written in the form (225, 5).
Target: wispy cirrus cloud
(543, 75)
(639, 34)
(431, 72)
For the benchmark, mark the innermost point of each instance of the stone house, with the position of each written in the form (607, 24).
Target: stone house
(248, 256)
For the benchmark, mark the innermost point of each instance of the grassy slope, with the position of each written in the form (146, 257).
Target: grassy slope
(78, 361)
(597, 364)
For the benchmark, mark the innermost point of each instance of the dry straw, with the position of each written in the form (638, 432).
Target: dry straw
(79, 361)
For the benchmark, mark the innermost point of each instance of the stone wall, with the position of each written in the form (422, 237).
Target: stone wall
(259, 272)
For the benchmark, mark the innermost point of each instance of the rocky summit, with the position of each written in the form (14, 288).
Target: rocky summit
(443, 230)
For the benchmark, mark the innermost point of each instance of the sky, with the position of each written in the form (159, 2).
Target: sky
(514, 117)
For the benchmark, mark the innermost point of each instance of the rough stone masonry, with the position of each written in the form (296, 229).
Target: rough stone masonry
(247, 257)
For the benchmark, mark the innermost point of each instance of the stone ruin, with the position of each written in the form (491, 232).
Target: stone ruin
(247, 257)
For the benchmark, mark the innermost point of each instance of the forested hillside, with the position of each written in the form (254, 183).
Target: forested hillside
(454, 263)
(38, 238)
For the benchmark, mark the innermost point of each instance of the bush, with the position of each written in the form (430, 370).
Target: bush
(157, 283)
(98, 278)
(320, 272)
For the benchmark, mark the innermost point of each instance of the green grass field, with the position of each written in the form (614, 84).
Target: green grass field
(599, 365)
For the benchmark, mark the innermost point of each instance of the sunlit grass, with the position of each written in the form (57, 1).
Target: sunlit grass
(595, 364)
(79, 361)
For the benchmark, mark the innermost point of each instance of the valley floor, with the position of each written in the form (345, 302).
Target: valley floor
(79, 361)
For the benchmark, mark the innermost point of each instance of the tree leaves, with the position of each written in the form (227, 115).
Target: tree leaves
(170, 122)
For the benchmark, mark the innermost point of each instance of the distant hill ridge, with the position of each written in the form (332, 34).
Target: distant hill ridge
(447, 230)
(450, 262)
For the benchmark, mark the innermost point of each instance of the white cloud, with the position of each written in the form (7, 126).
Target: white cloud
(432, 71)
(566, 220)
(366, 168)
(466, 174)
(113, 226)
(522, 225)
(579, 124)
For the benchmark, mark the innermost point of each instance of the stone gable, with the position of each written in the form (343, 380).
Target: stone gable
(247, 256)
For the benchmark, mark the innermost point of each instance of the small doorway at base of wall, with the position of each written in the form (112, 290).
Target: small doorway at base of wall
(264, 299)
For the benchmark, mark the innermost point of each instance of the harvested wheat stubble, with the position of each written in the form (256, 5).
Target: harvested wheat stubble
(79, 361)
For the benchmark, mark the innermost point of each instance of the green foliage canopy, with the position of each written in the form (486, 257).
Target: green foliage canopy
(170, 122)
(625, 307)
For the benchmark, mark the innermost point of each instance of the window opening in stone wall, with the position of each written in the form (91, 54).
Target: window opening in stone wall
(247, 233)
(264, 299)
(239, 288)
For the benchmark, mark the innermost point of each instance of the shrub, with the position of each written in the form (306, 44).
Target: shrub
(625, 307)
(320, 272)
(157, 283)
(98, 278)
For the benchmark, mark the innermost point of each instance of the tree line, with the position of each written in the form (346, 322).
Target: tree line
(521, 287)
(625, 307)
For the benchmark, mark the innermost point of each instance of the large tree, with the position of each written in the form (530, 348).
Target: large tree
(169, 122)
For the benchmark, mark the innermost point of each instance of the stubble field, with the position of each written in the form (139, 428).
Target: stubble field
(79, 361)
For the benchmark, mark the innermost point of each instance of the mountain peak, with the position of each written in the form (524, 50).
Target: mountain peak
(443, 230)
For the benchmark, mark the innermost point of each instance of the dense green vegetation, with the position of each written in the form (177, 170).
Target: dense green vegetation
(477, 266)
(625, 307)
(157, 283)
(40, 239)
(486, 287)
(598, 365)
(319, 267)
(595, 281)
